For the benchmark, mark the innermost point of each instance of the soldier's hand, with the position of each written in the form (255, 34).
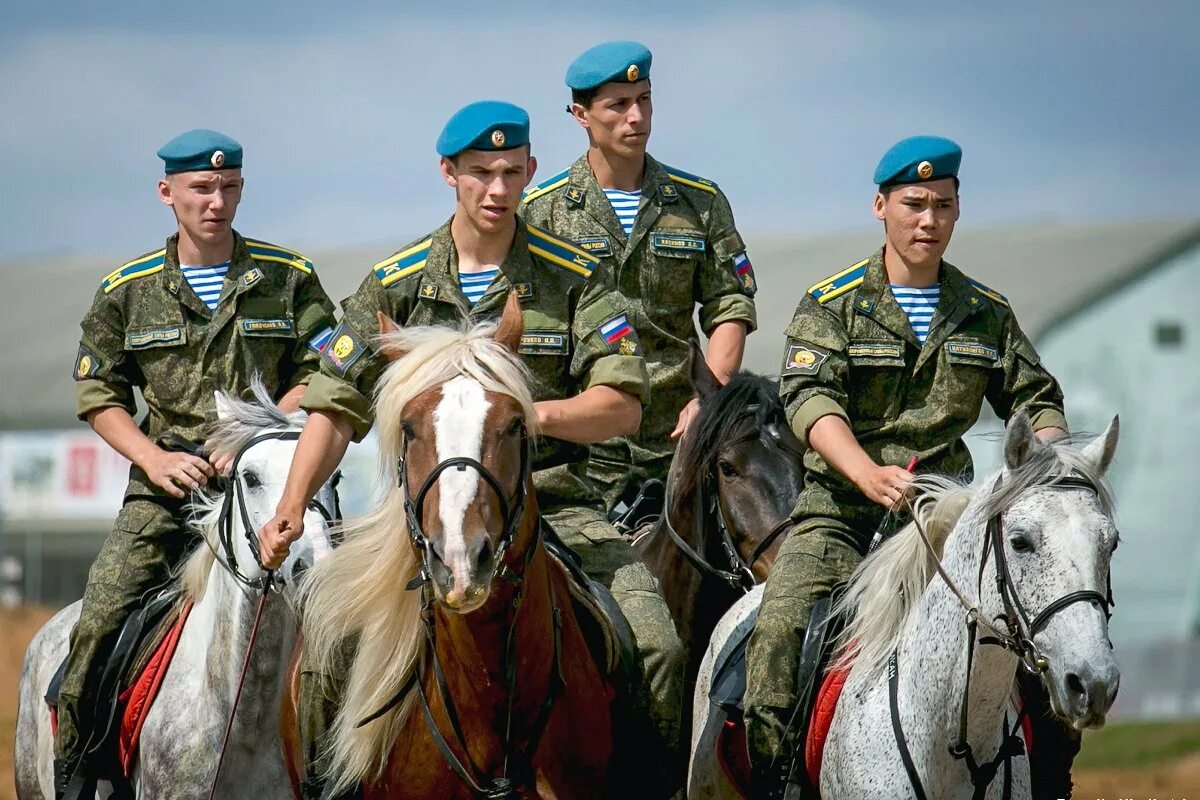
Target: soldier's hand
(221, 462)
(885, 485)
(276, 537)
(176, 472)
(686, 416)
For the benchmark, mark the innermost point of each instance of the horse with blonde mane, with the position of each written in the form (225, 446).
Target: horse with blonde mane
(476, 680)
(983, 583)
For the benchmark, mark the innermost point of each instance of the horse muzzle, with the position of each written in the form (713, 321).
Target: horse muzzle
(1083, 693)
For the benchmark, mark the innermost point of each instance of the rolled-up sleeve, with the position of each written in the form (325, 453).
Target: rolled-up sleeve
(725, 283)
(105, 374)
(313, 311)
(1025, 384)
(812, 377)
(598, 362)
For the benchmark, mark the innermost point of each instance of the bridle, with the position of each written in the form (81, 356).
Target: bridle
(1017, 637)
(739, 576)
(235, 497)
(512, 511)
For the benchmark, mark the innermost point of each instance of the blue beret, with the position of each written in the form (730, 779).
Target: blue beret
(200, 150)
(625, 62)
(486, 125)
(918, 159)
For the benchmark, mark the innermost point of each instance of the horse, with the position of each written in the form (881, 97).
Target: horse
(182, 731)
(731, 488)
(476, 680)
(929, 706)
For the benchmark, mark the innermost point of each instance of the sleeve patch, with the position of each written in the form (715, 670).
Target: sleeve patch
(87, 364)
(320, 341)
(803, 359)
(745, 273)
(620, 336)
(342, 350)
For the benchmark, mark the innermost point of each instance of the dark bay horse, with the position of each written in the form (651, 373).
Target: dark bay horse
(477, 680)
(731, 487)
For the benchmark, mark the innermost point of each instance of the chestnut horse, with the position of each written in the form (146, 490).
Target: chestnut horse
(475, 680)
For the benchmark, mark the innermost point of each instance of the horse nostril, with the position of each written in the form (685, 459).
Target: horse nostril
(483, 560)
(1075, 684)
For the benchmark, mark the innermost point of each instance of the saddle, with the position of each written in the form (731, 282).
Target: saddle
(728, 692)
(129, 682)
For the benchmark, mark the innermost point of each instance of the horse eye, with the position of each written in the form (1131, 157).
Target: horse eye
(727, 469)
(514, 427)
(408, 430)
(252, 480)
(1021, 545)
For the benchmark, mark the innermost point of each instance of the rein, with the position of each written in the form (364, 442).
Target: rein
(512, 511)
(1018, 639)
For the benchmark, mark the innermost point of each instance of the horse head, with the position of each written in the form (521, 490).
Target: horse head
(741, 452)
(464, 456)
(263, 440)
(1055, 536)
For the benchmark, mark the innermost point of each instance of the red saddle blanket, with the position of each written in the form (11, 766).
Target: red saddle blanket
(137, 699)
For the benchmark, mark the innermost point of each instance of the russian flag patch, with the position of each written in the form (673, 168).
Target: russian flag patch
(620, 336)
(319, 342)
(744, 272)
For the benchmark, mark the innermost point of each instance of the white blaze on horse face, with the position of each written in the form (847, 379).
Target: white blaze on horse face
(458, 424)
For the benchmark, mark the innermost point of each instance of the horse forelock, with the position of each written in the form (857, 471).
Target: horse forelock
(719, 419)
(351, 596)
(229, 434)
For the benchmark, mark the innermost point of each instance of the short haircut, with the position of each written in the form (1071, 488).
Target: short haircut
(585, 96)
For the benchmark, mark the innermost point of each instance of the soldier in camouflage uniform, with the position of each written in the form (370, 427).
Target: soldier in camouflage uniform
(589, 378)
(149, 329)
(867, 385)
(665, 237)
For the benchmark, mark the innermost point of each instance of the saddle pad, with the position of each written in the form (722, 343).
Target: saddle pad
(136, 700)
(822, 719)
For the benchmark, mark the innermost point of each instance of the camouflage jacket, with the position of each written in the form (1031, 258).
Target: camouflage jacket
(684, 250)
(851, 352)
(576, 334)
(148, 330)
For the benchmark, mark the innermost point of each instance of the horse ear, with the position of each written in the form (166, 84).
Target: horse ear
(1100, 451)
(703, 379)
(387, 326)
(224, 406)
(512, 324)
(1019, 441)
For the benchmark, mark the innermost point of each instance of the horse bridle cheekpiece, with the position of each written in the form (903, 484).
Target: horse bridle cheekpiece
(235, 497)
(511, 509)
(1017, 638)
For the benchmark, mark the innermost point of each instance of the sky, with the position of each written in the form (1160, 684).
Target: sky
(1067, 111)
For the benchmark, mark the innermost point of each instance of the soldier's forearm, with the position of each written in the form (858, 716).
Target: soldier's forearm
(833, 440)
(726, 345)
(597, 414)
(116, 427)
(320, 449)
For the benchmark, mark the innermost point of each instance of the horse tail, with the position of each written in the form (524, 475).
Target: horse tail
(886, 586)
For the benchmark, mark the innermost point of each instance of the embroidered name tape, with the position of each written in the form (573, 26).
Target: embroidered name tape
(972, 350)
(875, 350)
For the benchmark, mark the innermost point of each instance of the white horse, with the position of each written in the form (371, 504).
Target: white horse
(1030, 552)
(184, 728)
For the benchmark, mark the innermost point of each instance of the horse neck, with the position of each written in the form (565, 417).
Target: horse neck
(222, 622)
(933, 657)
(679, 580)
(473, 649)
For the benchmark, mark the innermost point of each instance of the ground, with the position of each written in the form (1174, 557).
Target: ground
(1139, 762)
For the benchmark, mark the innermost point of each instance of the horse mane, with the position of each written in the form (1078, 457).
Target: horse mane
(885, 590)
(715, 424)
(227, 435)
(355, 597)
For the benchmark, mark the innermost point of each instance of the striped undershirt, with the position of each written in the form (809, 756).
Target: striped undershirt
(475, 284)
(918, 305)
(206, 282)
(626, 205)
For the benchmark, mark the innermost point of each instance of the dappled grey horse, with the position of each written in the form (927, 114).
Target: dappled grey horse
(184, 728)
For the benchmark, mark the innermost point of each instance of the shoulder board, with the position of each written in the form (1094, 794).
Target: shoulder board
(263, 251)
(990, 294)
(546, 186)
(694, 181)
(407, 262)
(562, 252)
(139, 267)
(839, 283)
